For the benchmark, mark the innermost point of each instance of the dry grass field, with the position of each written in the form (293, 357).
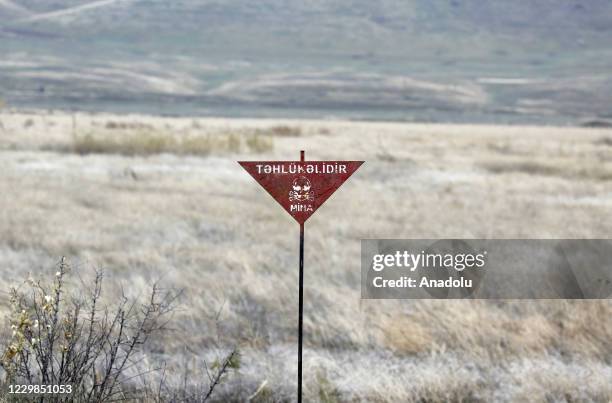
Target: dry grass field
(151, 198)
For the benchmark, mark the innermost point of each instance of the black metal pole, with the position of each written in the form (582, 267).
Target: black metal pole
(301, 313)
(301, 298)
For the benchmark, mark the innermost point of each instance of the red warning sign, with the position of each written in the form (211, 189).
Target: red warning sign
(301, 187)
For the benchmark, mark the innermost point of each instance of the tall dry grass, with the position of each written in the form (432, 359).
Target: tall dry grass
(150, 143)
(207, 226)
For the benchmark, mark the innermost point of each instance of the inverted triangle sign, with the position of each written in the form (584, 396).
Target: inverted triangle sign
(300, 187)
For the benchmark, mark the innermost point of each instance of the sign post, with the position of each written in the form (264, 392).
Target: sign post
(300, 187)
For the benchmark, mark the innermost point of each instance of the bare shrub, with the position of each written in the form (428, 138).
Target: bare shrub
(65, 339)
(60, 337)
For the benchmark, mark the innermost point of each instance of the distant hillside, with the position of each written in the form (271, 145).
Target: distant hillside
(415, 60)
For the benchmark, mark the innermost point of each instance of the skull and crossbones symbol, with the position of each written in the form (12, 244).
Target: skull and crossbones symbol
(302, 190)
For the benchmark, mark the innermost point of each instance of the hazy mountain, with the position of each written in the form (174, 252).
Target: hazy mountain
(460, 60)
